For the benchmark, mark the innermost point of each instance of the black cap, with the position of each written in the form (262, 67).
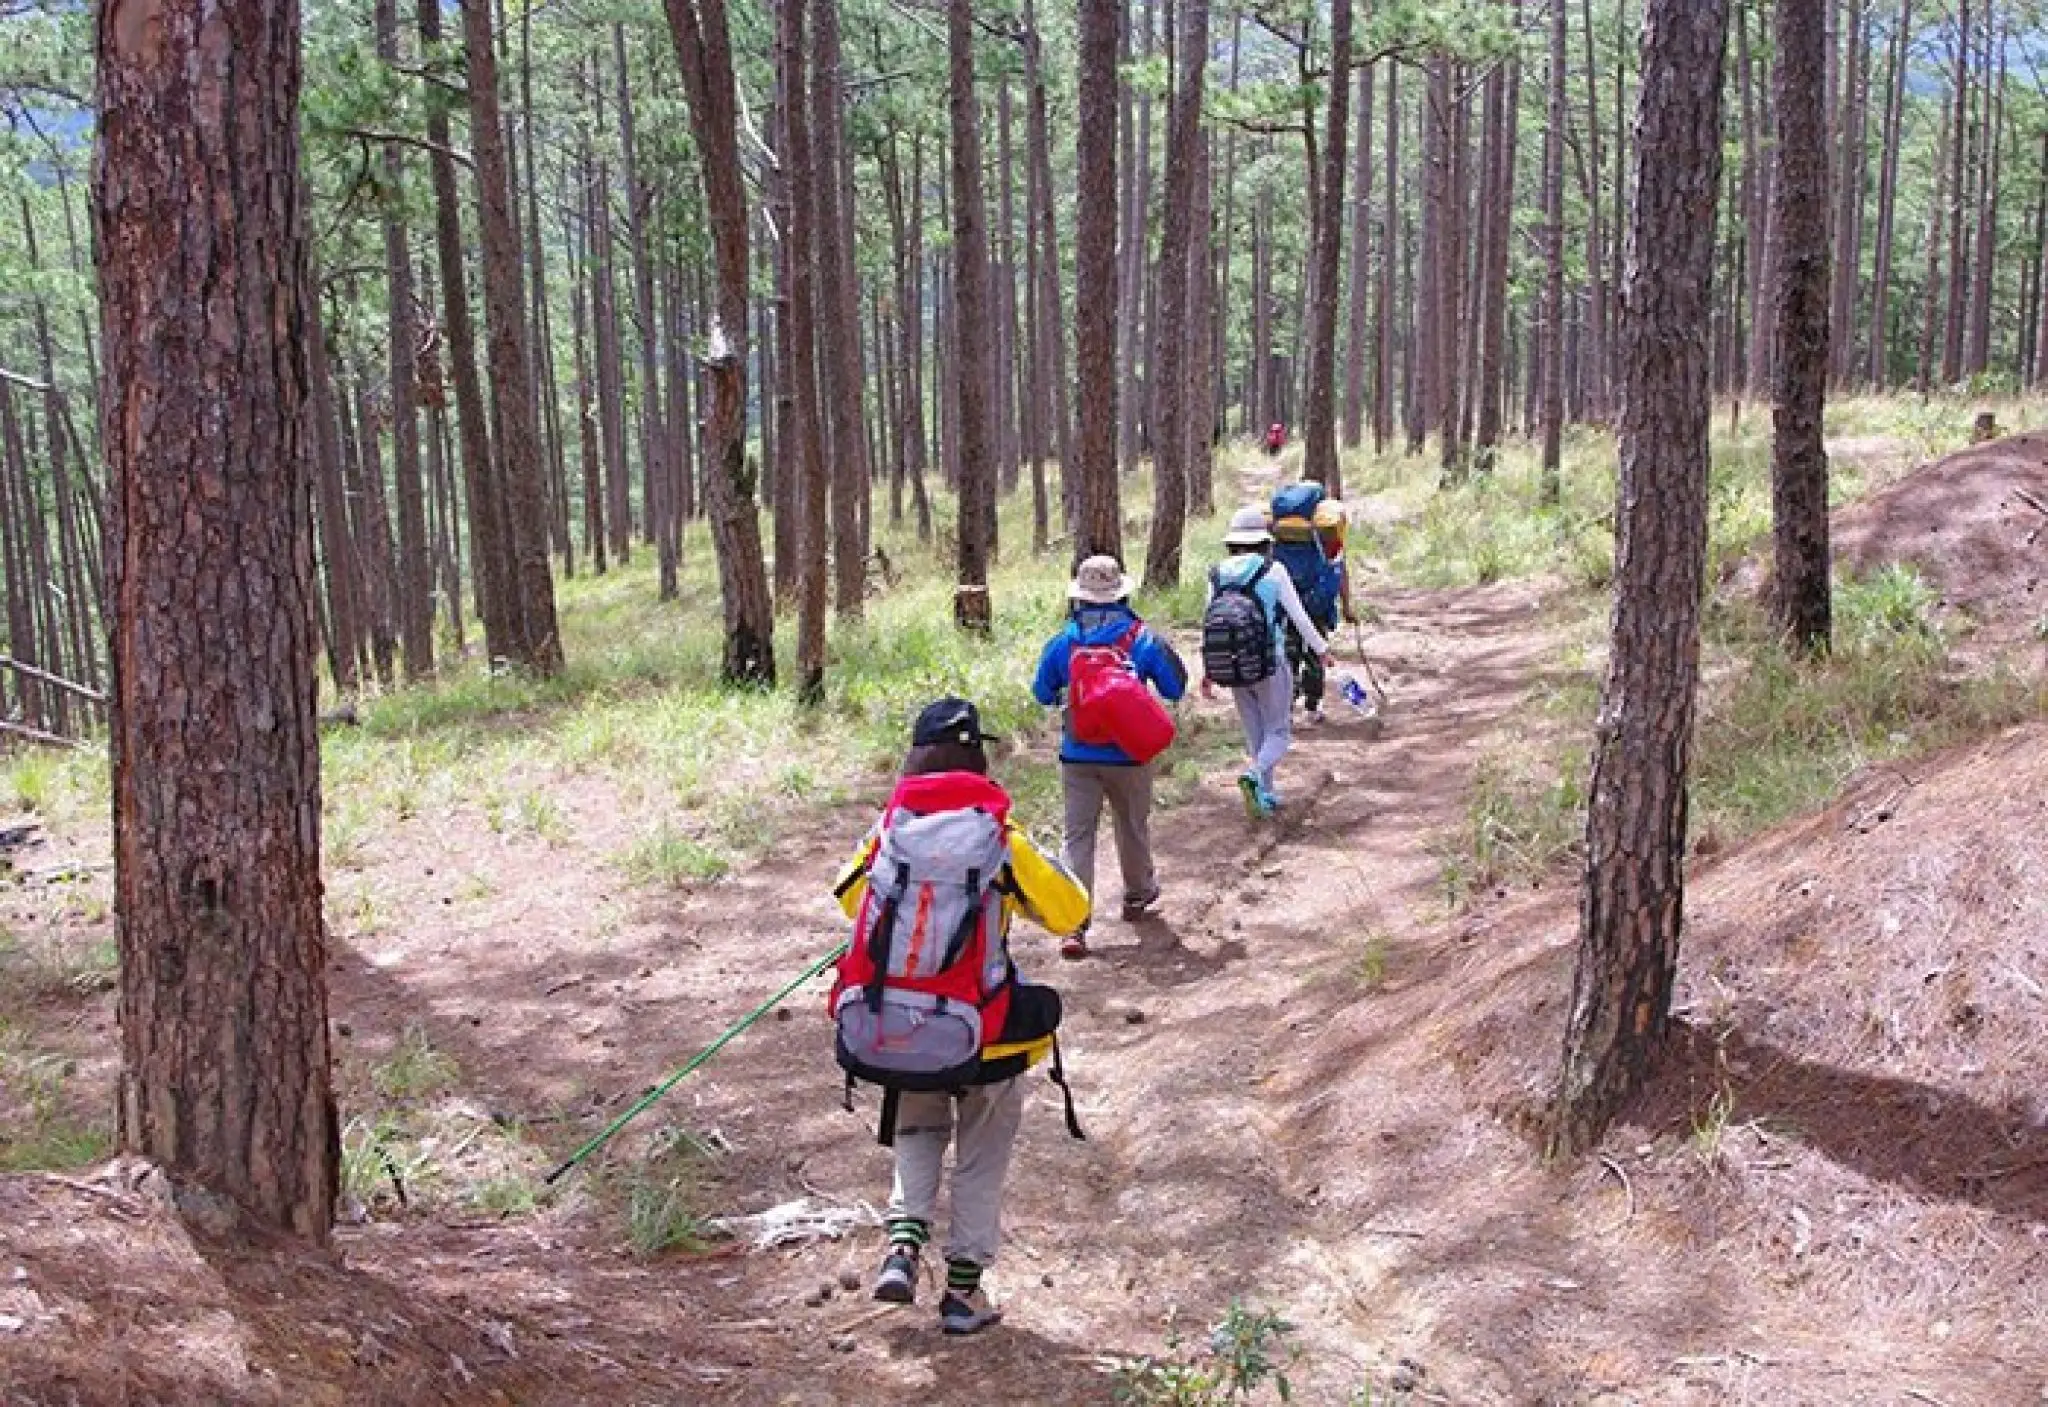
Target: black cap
(949, 720)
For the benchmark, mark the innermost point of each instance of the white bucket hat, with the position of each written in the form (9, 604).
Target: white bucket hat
(1099, 581)
(1248, 528)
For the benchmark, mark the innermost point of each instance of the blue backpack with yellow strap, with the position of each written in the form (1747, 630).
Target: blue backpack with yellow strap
(1298, 548)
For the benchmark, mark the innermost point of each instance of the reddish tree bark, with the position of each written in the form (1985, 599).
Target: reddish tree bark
(1799, 224)
(1100, 529)
(1633, 898)
(201, 252)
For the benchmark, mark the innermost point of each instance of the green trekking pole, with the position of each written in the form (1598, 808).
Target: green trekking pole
(641, 1105)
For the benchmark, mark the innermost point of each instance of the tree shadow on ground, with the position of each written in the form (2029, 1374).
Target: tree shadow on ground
(1921, 1138)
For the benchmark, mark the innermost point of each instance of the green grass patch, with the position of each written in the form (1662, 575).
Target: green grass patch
(43, 1132)
(416, 1069)
(667, 858)
(661, 1197)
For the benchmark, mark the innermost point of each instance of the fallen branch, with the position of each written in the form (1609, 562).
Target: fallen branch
(83, 691)
(2039, 507)
(39, 736)
(1921, 1394)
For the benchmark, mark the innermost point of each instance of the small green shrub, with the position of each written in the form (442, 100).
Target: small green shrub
(666, 857)
(415, 1069)
(1243, 1354)
(51, 1138)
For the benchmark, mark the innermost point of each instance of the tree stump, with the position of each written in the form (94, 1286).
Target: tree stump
(1984, 428)
(972, 609)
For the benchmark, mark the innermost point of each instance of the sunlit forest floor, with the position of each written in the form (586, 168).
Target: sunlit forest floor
(1308, 1082)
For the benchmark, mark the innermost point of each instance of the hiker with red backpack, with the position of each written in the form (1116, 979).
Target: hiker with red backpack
(1242, 648)
(1276, 438)
(929, 1007)
(1104, 665)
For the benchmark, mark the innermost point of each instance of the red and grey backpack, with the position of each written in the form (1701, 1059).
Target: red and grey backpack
(926, 987)
(925, 983)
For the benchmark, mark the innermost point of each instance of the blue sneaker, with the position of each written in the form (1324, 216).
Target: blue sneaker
(1269, 799)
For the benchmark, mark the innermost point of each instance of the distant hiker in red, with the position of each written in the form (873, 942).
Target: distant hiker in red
(1104, 665)
(1276, 438)
(928, 1005)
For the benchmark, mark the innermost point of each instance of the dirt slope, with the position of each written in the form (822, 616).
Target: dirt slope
(1976, 525)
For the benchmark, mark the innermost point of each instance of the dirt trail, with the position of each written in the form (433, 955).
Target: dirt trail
(1186, 1036)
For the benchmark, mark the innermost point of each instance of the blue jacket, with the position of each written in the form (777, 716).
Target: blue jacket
(1151, 656)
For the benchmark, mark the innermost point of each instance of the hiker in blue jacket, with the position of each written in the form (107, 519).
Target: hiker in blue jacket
(1091, 773)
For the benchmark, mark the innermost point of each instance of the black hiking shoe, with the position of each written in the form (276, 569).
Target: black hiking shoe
(1137, 905)
(897, 1283)
(967, 1312)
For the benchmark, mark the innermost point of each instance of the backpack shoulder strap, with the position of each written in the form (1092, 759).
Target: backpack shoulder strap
(1252, 583)
(1129, 640)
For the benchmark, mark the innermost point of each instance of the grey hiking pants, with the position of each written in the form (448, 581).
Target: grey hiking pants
(981, 1124)
(1128, 790)
(1267, 711)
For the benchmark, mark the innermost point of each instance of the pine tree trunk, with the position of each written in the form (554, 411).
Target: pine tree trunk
(657, 483)
(704, 53)
(1359, 298)
(596, 542)
(1319, 421)
(1756, 156)
(498, 601)
(1205, 341)
(337, 547)
(373, 534)
(1553, 261)
(973, 308)
(415, 579)
(784, 465)
(1958, 203)
(838, 292)
(802, 445)
(201, 252)
(1599, 315)
(1136, 118)
(1799, 461)
(1052, 321)
(1632, 900)
(1386, 313)
(1169, 361)
(609, 357)
(1849, 183)
(1931, 282)
(539, 647)
(1887, 202)
(1010, 371)
(1499, 196)
(1100, 528)
(1984, 266)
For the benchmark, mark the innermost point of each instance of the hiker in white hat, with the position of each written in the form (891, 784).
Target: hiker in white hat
(1099, 666)
(1243, 645)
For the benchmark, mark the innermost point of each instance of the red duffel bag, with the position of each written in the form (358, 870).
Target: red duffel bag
(1109, 703)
